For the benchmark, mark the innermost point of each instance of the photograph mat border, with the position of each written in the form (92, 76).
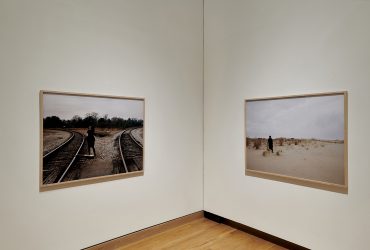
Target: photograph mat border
(296, 180)
(92, 180)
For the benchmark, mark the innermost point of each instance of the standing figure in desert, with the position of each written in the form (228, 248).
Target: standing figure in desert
(91, 139)
(270, 144)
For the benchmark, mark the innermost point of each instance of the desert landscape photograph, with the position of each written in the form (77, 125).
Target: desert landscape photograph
(298, 137)
(84, 137)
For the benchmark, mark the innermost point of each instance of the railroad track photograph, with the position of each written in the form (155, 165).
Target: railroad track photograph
(89, 138)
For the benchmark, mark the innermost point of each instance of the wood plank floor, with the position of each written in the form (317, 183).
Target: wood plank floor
(202, 234)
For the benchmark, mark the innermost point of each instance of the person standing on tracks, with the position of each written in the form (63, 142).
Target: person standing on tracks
(91, 139)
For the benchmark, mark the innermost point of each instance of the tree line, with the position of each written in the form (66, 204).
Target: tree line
(91, 119)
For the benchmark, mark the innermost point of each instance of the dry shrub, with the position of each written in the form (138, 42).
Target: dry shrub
(281, 141)
(296, 142)
(322, 145)
(278, 153)
(257, 143)
(266, 153)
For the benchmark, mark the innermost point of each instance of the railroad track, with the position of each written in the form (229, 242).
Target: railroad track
(131, 152)
(60, 160)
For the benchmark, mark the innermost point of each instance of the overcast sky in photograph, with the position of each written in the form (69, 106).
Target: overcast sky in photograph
(66, 106)
(320, 117)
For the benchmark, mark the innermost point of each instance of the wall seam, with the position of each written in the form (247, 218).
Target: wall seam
(203, 56)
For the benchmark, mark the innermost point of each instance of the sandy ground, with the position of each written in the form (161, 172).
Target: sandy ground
(106, 153)
(138, 135)
(314, 160)
(53, 138)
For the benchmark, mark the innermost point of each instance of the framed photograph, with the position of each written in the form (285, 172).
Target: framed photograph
(299, 139)
(89, 138)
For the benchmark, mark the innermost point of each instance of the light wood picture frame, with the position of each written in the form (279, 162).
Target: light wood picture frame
(299, 139)
(89, 138)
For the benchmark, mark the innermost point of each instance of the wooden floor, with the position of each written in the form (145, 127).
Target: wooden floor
(202, 234)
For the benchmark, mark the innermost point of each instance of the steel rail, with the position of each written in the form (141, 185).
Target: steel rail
(74, 158)
(133, 138)
(61, 145)
(120, 151)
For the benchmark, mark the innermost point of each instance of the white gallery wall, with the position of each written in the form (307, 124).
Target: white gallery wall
(150, 49)
(154, 49)
(265, 48)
